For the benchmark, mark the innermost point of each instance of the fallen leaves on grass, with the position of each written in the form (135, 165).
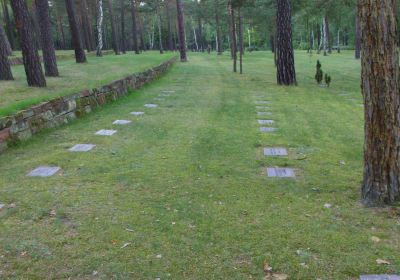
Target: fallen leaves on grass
(380, 261)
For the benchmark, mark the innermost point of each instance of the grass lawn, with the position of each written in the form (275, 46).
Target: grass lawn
(16, 95)
(181, 192)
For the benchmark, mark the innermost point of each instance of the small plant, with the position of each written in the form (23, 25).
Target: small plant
(327, 80)
(319, 75)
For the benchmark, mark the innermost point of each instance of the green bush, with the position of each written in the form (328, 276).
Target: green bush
(319, 75)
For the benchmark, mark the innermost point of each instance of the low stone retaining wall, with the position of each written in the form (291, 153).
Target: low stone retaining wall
(62, 110)
(19, 61)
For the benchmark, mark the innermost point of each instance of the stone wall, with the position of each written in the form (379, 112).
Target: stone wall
(63, 110)
(19, 61)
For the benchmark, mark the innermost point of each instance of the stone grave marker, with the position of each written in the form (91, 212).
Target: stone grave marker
(106, 132)
(280, 172)
(150, 105)
(267, 129)
(265, 121)
(262, 102)
(263, 107)
(82, 148)
(122, 122)
(275, 152)
(380, 277)
(44, 171)
(137, 113)
(263, 113)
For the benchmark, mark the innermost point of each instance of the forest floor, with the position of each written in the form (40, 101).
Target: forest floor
(16, 95)
(182, 192)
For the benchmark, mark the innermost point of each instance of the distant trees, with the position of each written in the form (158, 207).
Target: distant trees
(380, 87)
(30, 55)
(286, 73)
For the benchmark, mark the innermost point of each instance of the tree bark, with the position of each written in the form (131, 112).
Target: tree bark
(233, 35)
(49, 54)
(6, 43)
(9, 26)
(113, 29)
(80, 56)
(286, 74)
(380, 88)
(30, 55)
(134, 27)
(123, 35)
(328, 35)
(357, 44)
(241, 48)
(218, 27)
(5, 68)
(181, 31)
(170, 38)
(99, 26)
(160, 42)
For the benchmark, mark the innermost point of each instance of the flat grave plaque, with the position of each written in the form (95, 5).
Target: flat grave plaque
(267, 129)
(121, 122)
(44, 171)
(150, 105)
(168, 91)
(263, 107)
(137, 113)
(106, 132)
(262, 102)
(265, 121)
(159, 98)
(280, 172)
(82, 148)
(275, 152)
(380, 277)
(263, 113)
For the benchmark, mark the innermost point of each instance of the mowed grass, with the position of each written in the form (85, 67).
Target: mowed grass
(181, 193)
(16, 95)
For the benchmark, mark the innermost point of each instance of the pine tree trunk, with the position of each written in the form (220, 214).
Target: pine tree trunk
(181, 31)
(30, 55)
(49, 54)
(328, 35)
(357, 44)
(218, 27)
(286, 74)
(324, 37)
(233, 35)
(170, 38)
(99, 26)
(6, 43)
(134, 27)
(9, 26)
(80, 56)
(123, 35)
(113, 29)
(5, 68)
(380, 88)
(241, 48)
(87, 26)
(160, 43)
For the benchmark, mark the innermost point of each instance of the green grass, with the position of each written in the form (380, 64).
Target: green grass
(16, 95)
(189, 179)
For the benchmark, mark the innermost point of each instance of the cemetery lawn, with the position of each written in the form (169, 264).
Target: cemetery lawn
(16, 95)
(181, 192)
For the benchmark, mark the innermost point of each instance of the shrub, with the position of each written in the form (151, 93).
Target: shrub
(319, 75)
(327, 80)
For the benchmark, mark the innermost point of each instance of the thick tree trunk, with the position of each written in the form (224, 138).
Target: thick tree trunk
(80, 56)
(5, 68)
(286, 74)
(181, 31)
(6, 43)
(328, 35)
(357, 42)
(9, 25)
(218, 27)
(170, 37)
(33, 68)
(381, 91)
(325, 37)
(49, 54)
(99, 27)
(113, 29)
(123, 35)
(233, 35)
(134, 27)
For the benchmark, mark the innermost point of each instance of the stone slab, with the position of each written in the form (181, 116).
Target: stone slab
(82, 148)
(122, 122)
(150, 105)
(380, 277)
(267, 129)
(264, 113)
(44, 171)
(106, 132)
(262, 102)
(263, 107)
(168, 91)
(275, 152)
(159, 99)
(137, 113)
(265, 121)
(280, 172)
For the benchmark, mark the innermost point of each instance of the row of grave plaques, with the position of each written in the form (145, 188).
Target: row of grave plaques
(48, 171)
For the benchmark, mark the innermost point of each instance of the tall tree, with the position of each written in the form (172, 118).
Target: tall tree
(134, 27)
(5, 68)
(357, 40)
(286, 73)
(6, 42)
(49, 54)
(99, 27)
(381, 92)
(113, 28)
(218, 28)
(8, 24)
(30, 55)
(233, 35)
(80, 56)
(123, 35)
(181, 31)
